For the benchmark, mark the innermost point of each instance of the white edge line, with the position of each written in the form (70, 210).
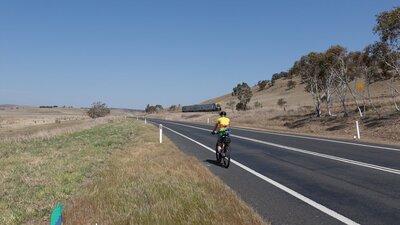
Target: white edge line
(349, 161)
(280, 186)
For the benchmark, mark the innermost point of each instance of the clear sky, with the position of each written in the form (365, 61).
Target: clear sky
(130, 53)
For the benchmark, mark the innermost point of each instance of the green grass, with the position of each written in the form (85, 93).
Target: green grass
(39, 173)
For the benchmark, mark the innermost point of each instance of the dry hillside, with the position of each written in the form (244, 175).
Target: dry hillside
(298, 116)
(296, 98)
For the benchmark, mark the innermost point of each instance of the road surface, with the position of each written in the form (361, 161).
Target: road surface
(290, 179)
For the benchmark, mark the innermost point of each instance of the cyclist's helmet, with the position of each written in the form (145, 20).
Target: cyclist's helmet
(222, 113)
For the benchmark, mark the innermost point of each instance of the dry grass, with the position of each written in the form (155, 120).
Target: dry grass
(149, 183)
(47, 131)
(114, 173)
(22, 123)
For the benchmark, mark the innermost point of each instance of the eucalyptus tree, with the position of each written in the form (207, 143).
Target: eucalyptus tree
(388, 49)
(363, 66)
(336, 59)
(310, 70)
(244, 94)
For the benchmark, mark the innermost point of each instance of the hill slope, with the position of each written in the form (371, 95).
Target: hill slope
(296, 97)
(298, 115)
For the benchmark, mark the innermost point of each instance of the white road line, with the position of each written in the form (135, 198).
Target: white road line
(314, 138)
(319, 139)
(280, 186)
(349, 161)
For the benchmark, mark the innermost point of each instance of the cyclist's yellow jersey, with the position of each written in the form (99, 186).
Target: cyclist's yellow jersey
(223, 122)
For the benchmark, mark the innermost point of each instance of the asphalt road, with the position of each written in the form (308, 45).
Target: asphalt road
(291, 179)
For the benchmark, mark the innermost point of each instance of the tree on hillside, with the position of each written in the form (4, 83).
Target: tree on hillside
(231, 104)
(244, 94)
(159, 108)
(388, 49)
(234, 91)
(280, 75)
(174, 108)
(363, 70)
(291, 84)
(262, 84)
(98, 109)
(150, 109)
(310, 69)
(153, 109)
(282, 103)
(337, 64)
(388, 28)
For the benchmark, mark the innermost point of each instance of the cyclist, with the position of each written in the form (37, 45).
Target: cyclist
(224, 124)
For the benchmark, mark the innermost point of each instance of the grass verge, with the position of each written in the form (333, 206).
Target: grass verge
(113, 174)
(150, 183)
(37, 173)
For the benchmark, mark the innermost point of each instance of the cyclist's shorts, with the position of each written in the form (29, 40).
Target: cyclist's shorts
(227, 140)
(223, 132)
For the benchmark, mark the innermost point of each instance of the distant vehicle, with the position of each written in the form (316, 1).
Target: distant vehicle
(202, 108)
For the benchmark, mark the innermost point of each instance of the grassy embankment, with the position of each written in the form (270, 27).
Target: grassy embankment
(116, 173)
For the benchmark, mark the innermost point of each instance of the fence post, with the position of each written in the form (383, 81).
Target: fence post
(358, 130)
(161, 126)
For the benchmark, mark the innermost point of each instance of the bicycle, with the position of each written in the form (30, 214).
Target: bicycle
(224, 155)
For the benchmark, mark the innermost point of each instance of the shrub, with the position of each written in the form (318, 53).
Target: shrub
(98, 109)
(153, 109)
(240, 106)
(282, 103)
(291, 84)
(258, 104)
(262, 84)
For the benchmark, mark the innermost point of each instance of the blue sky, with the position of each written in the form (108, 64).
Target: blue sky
(164, 52)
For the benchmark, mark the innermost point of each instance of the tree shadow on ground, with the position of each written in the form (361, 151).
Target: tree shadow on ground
(191, 116)
(337, 127)
(372, 122)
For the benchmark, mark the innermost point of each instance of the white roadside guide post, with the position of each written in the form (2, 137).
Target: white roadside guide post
(208, 120)
(358, 130)
(161, 133)
(145, 121)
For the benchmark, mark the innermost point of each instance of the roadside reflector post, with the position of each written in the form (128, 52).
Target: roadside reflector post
(137, 118)
(358, 130)
(161, 133)
(145, 121)
(208, 120)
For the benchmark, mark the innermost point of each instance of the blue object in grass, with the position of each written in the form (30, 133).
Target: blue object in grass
(56, 215)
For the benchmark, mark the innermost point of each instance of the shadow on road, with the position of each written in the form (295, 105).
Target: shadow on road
(213, 162)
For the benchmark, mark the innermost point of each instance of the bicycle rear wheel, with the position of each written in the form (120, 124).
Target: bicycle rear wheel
(218, 156)
(226, 159)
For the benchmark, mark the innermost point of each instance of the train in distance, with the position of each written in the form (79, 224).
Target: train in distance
(202, 108)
